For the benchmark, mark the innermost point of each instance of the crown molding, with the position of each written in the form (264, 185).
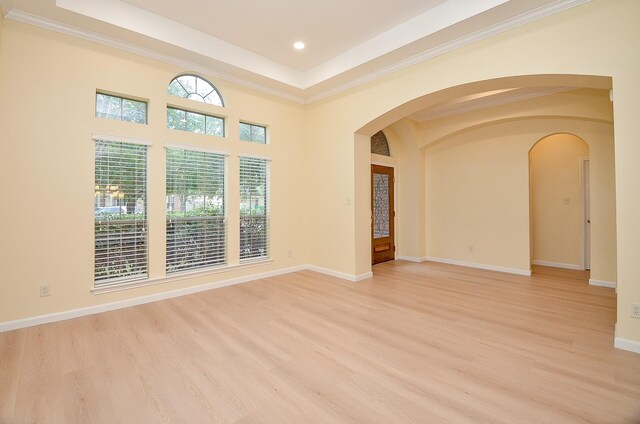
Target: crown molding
(517, 21)
(48, 24)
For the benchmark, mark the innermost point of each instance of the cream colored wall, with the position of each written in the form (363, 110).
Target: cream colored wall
(1, 25)
(362, 251)
(591, 39)
(602, 166)
(406, 135)
(572, 108)
(477, 198)
(557, 199)
(406, 159)
(2, 19)
(410, 225)
(354, 111)
(587, 104)
(477, 194)
(47, 118)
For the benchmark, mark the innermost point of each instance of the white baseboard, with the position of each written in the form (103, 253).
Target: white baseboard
(106, 307)
(411, 258)
(625, 344)
(481, 266)
(601, 283)
(620, 343)
(558, 265)
(343, 275)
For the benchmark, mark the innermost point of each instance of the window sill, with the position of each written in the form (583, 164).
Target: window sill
(178, 276)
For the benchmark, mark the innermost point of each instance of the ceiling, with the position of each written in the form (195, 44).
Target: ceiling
(269, 28)
(486, 99)
(250, 42)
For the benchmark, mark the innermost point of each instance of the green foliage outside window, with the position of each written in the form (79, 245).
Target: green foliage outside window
(195, 88)
(253, 133)
(196, 227)
(120, 109)
(198, 123)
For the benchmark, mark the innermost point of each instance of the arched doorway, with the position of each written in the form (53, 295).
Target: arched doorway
(382, 200)
(559, 202)
(472, 151)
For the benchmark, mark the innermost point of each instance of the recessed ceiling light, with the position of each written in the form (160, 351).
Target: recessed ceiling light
(298, 45)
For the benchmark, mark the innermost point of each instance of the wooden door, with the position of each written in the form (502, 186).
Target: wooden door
(383, 214)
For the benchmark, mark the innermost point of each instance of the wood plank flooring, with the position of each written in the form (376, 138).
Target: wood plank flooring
(418, 343)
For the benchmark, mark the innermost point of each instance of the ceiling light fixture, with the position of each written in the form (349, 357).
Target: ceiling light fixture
(298, 45)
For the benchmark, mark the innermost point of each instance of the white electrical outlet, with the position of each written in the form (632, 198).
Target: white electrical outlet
(45, 290)
(635, 310)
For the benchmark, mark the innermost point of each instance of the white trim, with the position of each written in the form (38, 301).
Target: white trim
(92, 310)
(196, 110)
(255, 124)
(364, 276)
(120, 139)
(626, 344)
(411, 258)
(450, 46)
(195, 148)
(129, 17)
(178, 276)
(583, 215)
(51, 25)
(601, 283)
(481, 266)
(252, 156)
(391, 164)
(557, 265)
(255, 260)
(423, 24)
(343, 275)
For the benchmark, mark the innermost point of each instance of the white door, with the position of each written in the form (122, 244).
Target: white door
(587, 215)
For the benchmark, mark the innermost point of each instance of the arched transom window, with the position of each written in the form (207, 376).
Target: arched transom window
(379, 144)
(195, 88)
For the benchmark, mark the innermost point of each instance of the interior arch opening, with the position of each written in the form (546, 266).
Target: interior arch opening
(560, 202)
(462, 166)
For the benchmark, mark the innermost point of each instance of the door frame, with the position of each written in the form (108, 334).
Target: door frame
(395, 202)
(395, 195)
(586, 213)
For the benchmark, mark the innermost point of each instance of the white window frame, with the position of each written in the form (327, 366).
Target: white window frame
(205, 115)
(252, 125)
(122, 99)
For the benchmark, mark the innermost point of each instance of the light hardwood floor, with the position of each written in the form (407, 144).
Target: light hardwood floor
(418, 343)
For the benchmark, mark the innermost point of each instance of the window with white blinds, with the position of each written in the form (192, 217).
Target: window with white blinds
(196, 225)
(120, 212)
(254, 208)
